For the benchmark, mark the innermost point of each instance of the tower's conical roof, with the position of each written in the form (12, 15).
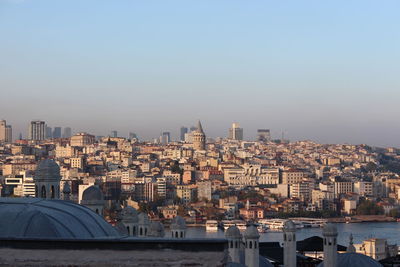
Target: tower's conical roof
(199, 127)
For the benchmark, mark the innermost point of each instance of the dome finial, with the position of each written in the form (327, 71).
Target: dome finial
(351, 248)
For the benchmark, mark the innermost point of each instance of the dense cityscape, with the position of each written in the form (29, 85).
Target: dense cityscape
(141, 187)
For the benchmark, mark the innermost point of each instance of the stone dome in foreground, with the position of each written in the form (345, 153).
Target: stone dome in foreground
(354, 259)
(50, 219)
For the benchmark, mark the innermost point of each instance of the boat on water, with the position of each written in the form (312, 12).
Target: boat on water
(273, 224)
(262, 228)
(239, 223)
(211, 226)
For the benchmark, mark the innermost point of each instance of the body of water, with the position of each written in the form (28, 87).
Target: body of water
(360, 231)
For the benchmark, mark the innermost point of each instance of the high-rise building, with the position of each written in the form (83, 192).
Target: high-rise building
(199, 138)
(5, 132)
(236, 133)
(263, 135)
(183, 131)
(114, 134)
(67, 132)
(132, 136)
(3, 125)
(49, 132)
(8, 134)
(165, 138)
(57, 132)
(37, 130)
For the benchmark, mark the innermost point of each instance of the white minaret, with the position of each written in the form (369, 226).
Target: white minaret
(289, 244)
(234, 243)
(251, 251)
(330, 245)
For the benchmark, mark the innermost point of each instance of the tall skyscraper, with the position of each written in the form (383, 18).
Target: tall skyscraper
(67, 132)
(263, 135)
(165, 138)
(236, 133)
(49, 132)
(184, 130)
(37, 130)
(8, 134)
(57, 132)
(5, 132)
(3, 125)
(199, 138)
(114, 134)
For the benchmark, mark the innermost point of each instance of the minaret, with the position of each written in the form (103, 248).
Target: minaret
(199, 138)
(66, 191)
(289, 244)
(234, 243)
(351, 248)
(47, 179)
(330, 245)
(251, 240)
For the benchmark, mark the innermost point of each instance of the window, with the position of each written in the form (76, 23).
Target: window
(250, 245)
(43, 194)
(52, 193)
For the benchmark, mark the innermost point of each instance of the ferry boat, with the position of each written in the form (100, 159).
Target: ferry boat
(309, 222)
(273, 224)
(239, 223)
(211, 226)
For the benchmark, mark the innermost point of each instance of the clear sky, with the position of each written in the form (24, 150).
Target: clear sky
(328, 71)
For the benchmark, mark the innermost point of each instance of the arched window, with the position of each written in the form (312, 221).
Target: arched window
(52, 193)
(250, 245)
(97, 211)
(141, 231)
(255, 244)
(134, 230)
(145, 231)
(127, 228)
(176, 235)
(236, 244)
(231, 244)
(182, 234)
(36, 191)
(43, 194)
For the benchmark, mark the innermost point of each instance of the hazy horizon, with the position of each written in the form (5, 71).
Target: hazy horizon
(320, 71)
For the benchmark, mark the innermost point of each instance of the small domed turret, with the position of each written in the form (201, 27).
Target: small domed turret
(251, 232)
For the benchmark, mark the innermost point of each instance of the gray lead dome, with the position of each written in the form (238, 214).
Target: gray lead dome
(48, 219)
(47, 170)
(92, 193)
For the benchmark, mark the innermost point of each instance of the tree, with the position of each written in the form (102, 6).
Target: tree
(367, 207)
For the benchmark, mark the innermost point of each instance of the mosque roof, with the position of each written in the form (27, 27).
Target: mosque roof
(50, 219)
(354, 259)
(47, 170)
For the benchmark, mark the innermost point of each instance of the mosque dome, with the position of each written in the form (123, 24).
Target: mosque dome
(289, 226)
(156, 229)
(129, 215)
(251, 232)
(178, 223)
(50, 219)
(233, 232)
(92, 193)
(143, 219)
(47, 170)
(354, 259)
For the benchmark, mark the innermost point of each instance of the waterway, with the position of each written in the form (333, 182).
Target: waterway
(360, 231)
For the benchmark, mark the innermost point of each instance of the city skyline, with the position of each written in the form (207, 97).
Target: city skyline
(320, 71)
(249, 135)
